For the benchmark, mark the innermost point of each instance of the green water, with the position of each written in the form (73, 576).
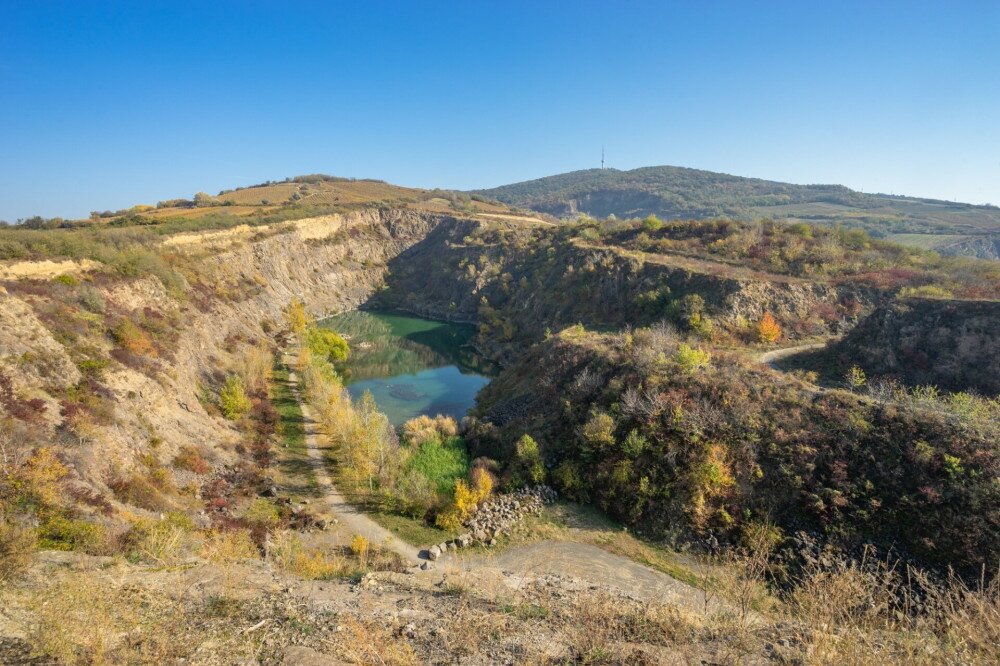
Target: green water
(412, 366)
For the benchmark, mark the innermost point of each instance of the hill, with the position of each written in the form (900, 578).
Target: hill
(680, 193)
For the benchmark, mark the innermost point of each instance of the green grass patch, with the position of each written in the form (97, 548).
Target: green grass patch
(411, 530)
(442, 462)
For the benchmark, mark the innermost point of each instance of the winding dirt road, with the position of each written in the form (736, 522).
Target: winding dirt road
(772, 357)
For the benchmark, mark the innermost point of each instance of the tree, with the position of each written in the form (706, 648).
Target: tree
(768, 330)
(856, 378)
(295, 313)
(327, 344)
(233, 398)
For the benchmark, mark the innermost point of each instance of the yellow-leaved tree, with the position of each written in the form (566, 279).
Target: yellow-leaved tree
(295, 313)
(468, 496)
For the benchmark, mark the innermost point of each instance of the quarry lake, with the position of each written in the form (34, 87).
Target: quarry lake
(412, 366)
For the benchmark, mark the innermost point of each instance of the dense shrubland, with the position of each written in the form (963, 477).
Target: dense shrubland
(710, 445)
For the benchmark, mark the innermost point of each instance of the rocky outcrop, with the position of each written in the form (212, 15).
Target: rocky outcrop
(947, 343)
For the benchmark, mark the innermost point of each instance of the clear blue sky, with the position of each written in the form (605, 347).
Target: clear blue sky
(103, 105)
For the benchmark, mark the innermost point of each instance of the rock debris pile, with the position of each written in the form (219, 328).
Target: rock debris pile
(497, 517)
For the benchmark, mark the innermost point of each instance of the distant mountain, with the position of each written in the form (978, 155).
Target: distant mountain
(679, 193)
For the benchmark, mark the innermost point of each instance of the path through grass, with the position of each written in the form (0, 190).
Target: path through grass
(297, 474)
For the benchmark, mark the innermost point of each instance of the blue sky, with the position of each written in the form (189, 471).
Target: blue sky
(103, 105)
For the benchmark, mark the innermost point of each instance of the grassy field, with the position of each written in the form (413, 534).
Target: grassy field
(924, 241)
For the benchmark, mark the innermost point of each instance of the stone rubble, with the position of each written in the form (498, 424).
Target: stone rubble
(496, 518)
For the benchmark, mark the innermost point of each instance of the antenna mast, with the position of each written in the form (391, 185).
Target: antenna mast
(602, 157)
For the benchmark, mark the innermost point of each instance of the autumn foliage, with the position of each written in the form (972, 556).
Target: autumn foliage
(768, 330)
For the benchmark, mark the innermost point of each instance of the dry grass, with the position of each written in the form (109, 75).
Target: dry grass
(94, 618)
(365, 641)
(17, 545)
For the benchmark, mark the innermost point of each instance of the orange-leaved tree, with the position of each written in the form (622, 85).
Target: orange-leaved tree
(767, 329)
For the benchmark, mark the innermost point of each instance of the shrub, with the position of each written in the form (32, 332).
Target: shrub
(768, 330)
(417, 493)
(360, 546)
(38, 481)
(60, 532)
(326, 344)
(140, 491)
(856, 378)
(422, 428)
(287, 552)
(691, 359)
(17, 543)
(190, 458)
(295, 314)
(468, 496)
(66, 279)
(233, 398)
(527, 465)
(262, 512)
(133, 339)
(652, 224)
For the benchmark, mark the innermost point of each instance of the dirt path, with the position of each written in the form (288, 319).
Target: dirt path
(588, 563)
(771, 358)
(351, 519)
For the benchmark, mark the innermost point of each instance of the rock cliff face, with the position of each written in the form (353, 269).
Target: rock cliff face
(947, 343)
(519, 282)
(332, 263)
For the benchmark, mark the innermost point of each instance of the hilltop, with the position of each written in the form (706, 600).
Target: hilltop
(289, 199)
(679, 193)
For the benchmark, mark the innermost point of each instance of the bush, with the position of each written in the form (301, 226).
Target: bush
(360, 546)
(59, 532)
(17, 543)
(295, 313)
(527, 467)
(139, 491)
(326, 344)
(190, 458)
(422, 428)
(691, 359)
(233, 398)
(263, 512)
(652, 224)
(133, 339)
(467, 499)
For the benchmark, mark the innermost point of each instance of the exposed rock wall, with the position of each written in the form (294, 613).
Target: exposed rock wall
(947, 343)
(332, 264)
